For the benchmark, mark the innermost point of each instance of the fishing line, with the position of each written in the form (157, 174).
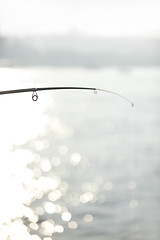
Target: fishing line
(35, 90)
(133, 202)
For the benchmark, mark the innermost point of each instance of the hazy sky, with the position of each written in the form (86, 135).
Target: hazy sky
(90, 17)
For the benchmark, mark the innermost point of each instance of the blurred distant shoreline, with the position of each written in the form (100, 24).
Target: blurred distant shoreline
(79, 51)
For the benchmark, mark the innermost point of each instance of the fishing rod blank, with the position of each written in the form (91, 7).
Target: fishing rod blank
(35, 90)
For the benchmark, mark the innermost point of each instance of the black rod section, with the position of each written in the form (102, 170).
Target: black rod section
(43, 89)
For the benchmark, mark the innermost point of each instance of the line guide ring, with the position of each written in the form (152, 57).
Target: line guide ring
(34, 96)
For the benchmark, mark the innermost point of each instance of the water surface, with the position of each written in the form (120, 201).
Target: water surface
(76, 164)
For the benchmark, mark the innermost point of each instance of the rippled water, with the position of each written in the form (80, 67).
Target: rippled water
(76, 164)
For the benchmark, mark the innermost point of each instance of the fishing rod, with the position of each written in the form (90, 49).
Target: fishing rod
(35, 90)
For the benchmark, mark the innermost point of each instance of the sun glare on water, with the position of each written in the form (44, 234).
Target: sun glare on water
(41, 165)
(22, 121)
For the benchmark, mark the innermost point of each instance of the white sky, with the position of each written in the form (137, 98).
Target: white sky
(90, 17)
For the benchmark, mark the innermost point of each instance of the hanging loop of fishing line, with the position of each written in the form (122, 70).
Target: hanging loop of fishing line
(34, 96)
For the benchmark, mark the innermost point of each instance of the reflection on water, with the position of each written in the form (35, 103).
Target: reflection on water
(66, 168)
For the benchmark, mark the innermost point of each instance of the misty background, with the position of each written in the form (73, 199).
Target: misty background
(81, 34)
(74, 164)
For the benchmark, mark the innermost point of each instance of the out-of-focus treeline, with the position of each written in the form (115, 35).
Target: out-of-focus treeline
(79, 51)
